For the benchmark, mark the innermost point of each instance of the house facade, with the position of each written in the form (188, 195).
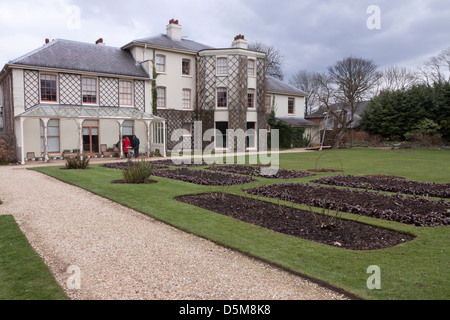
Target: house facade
(71, 95)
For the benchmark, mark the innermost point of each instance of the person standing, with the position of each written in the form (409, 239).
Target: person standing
(126, 145)
(136, 146)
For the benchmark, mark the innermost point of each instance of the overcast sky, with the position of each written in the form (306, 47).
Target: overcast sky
(309, 34)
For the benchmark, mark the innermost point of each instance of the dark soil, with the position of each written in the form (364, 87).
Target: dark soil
(256, 171)
(324, 170)
(345, 234)
(203, 177)
(405, 209)
(123, 165)
(389, 183)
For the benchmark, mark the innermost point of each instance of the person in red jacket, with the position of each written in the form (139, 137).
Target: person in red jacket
(126, 144)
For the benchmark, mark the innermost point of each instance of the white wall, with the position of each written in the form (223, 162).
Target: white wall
(281, 106)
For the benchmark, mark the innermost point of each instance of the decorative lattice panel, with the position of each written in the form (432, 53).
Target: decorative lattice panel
(175, 120)
(31, 88)
(108, 92)
(139, 95)
(261, 94)
(70, 89)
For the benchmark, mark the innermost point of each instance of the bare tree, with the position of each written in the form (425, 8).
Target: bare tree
(348, 83)
(436, 69)
(308, 83)
(274, 59)
(397, 78)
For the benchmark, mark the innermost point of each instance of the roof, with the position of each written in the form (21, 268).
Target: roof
(278, 86)
(77, 112)
(80, 56)
(298, 122)
(165, 41)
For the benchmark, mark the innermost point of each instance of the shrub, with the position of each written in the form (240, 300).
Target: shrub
(77, 162)
(137, 172)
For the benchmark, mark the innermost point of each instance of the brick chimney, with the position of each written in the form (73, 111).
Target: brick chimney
(240, 42)
(47, 40)
(99, 41)
(173, 30)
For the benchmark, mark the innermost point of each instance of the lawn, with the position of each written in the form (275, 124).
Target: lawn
(23, 275)
(413, 270)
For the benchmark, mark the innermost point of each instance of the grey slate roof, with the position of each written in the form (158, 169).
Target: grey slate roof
(80, 56)
(165, 41)
(298, 122)
(277, 86)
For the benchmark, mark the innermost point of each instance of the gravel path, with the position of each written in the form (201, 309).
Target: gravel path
(123, 254)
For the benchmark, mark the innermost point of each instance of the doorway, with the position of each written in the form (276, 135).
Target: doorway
(91, 143)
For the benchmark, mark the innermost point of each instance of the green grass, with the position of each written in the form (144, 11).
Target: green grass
(23, 275)
(413, 270)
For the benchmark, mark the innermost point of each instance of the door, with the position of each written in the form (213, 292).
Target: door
(91, 143)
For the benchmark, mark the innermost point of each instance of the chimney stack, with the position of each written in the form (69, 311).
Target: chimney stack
(99, 41)
(174, 30)
(240, 42)
(47, 40)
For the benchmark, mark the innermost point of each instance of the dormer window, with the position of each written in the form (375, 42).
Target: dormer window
(48, 88)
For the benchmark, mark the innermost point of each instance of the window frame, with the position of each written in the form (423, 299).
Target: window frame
(183, 68)
(221, 99)
(222, 70)
(41, 75)
(158, 64)
(159, 98)
(42, 136)
(123, 93)
(251, 101)
(293, 105)
(83, 90)
(187, 101)
(253, 73)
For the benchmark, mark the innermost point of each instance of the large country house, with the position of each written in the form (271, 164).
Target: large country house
(69, 95)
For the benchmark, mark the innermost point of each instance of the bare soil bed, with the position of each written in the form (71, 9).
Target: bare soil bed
(203, 177)
(346, 234)
(256, 171)
(123, 165)
(389, 183)
(405, 209)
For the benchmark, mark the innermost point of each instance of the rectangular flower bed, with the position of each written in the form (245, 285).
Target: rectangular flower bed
(405, 209)
(256, 171)
(391, 184)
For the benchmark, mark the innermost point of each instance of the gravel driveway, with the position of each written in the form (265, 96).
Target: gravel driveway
(123, 254)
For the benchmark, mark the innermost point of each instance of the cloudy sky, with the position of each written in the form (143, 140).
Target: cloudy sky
(309, 34)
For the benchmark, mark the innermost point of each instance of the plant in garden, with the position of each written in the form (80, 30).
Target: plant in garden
(77, 162)
(137, 172)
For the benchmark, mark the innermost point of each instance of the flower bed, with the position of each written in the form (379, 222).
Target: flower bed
(203, 177)
(389, 183)
(256, 171)
(405, 209)
(346, 234)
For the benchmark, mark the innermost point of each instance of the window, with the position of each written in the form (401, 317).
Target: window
(158, 133)
(251, 67)
(160, 63)
(161, 97)
(125, 93)
(221, 97)
(268, 103)
(186, 99)
(188, 128)
(221, 135)
(250, 139)
(291, 105)
(89, 90)
(128, 128)
(251, 98)
(186, 67)
(222, 66)
(48, 88)
(52, 136)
